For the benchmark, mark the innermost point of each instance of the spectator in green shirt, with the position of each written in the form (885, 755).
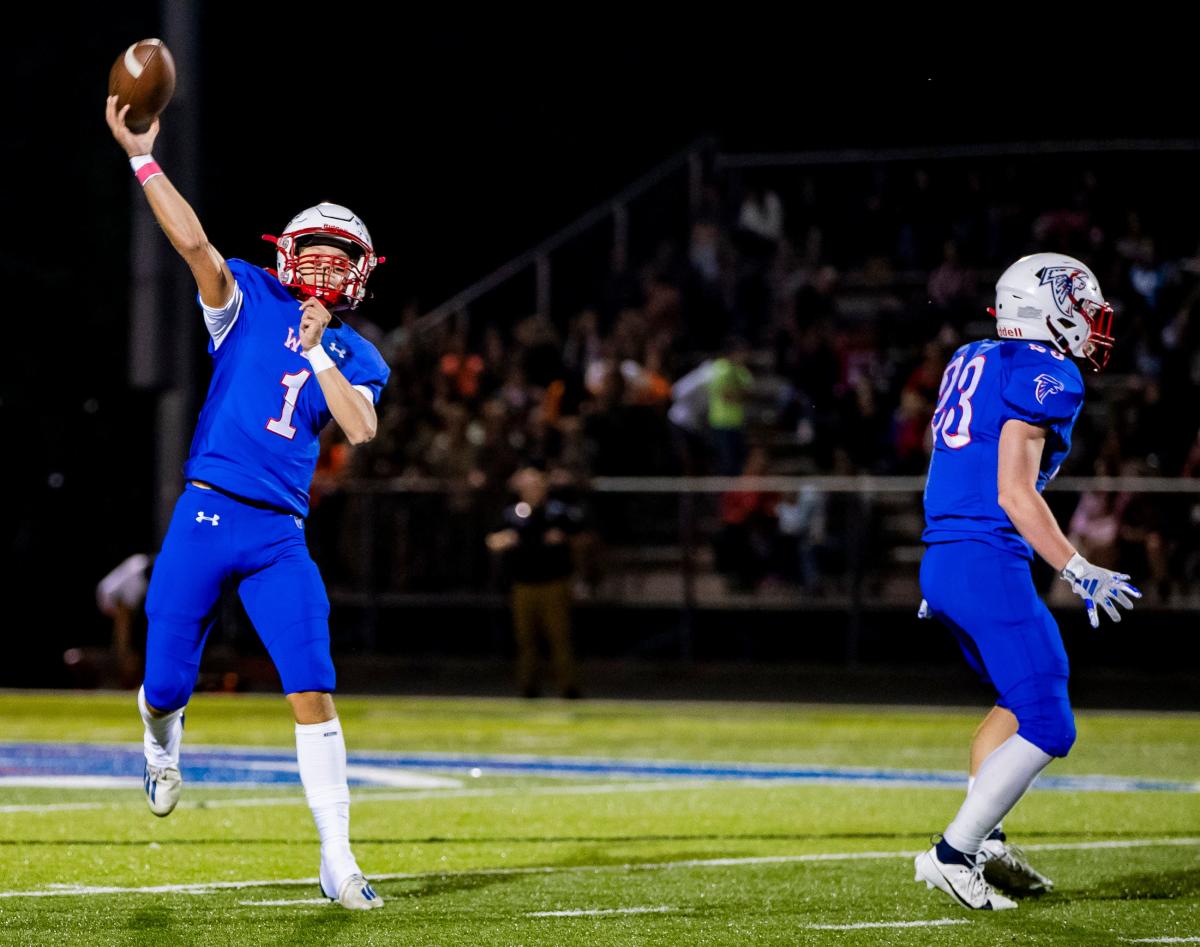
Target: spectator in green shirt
(727, 393)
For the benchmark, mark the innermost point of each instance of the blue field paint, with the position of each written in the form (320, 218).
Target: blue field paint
(259, 767)
(202, 766)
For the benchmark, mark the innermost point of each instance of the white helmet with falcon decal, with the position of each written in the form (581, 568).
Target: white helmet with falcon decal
(1054, 298)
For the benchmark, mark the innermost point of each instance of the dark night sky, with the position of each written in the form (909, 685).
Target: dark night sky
(460, 148)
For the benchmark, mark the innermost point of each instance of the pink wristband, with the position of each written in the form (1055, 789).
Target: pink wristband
(145, 167)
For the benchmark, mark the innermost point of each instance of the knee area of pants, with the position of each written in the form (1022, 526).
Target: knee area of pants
(315, 677)
(1043, 712)
(1054, 736)
(166, 699)
(1057, 744)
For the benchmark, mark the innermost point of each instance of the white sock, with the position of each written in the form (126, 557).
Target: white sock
(971, 785)
(1002, 780)
(162, 736)
(321, 753)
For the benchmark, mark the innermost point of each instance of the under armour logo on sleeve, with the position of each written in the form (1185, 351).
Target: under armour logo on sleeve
(340, 353)
(215, 519)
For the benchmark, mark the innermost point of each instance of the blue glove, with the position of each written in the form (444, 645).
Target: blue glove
(1093, 584)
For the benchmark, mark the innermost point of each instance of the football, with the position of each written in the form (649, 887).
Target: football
(143, 77)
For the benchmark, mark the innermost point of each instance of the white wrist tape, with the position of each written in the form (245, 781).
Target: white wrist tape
(319, 359)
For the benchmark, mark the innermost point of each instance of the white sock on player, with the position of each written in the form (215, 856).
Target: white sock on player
(999, 827)
(1002, 780)
(163, 734)
(321, 753)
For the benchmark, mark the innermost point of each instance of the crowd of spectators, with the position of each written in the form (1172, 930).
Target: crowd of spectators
(799, 322)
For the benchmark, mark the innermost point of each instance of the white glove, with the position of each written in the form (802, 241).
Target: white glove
(924, 611)
(1093, 584)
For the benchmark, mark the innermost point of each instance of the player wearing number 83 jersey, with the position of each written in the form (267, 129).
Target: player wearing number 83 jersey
(985, 384)
(1001, 428)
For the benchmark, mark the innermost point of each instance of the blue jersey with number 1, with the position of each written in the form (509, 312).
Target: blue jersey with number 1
(986, 384)
(257, 436)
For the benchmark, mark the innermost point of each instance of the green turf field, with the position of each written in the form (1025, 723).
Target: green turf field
(503, 858)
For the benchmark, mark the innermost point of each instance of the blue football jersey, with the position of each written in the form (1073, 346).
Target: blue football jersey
(986, 384)
(257, 436)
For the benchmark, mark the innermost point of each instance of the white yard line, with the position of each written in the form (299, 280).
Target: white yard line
(399, 779)
(940, 922)
(1116, 843)
(363, 797)
(1163, 940)
(70, 782)
(601, 912)
(379, 775)
(59, 890)
(285, 904)
(55, 807)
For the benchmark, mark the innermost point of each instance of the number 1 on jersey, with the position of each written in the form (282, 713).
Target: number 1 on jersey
(293, 382)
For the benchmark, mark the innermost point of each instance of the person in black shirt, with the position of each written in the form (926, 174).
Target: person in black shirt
(534, 541)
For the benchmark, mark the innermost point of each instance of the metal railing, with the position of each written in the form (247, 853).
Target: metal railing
(693, 159)
(847, 545)
(840, 156)
(616, 208)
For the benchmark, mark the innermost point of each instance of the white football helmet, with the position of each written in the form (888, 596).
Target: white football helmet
(1053, 298)
(328, 225)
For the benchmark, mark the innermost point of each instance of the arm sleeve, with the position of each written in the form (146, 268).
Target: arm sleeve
(224, 323)
(219, 321)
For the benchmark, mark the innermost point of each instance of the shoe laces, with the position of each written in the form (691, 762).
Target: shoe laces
(977, 887)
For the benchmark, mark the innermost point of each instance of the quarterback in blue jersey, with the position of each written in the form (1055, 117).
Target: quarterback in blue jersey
(1001, 428)
(283, 366)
